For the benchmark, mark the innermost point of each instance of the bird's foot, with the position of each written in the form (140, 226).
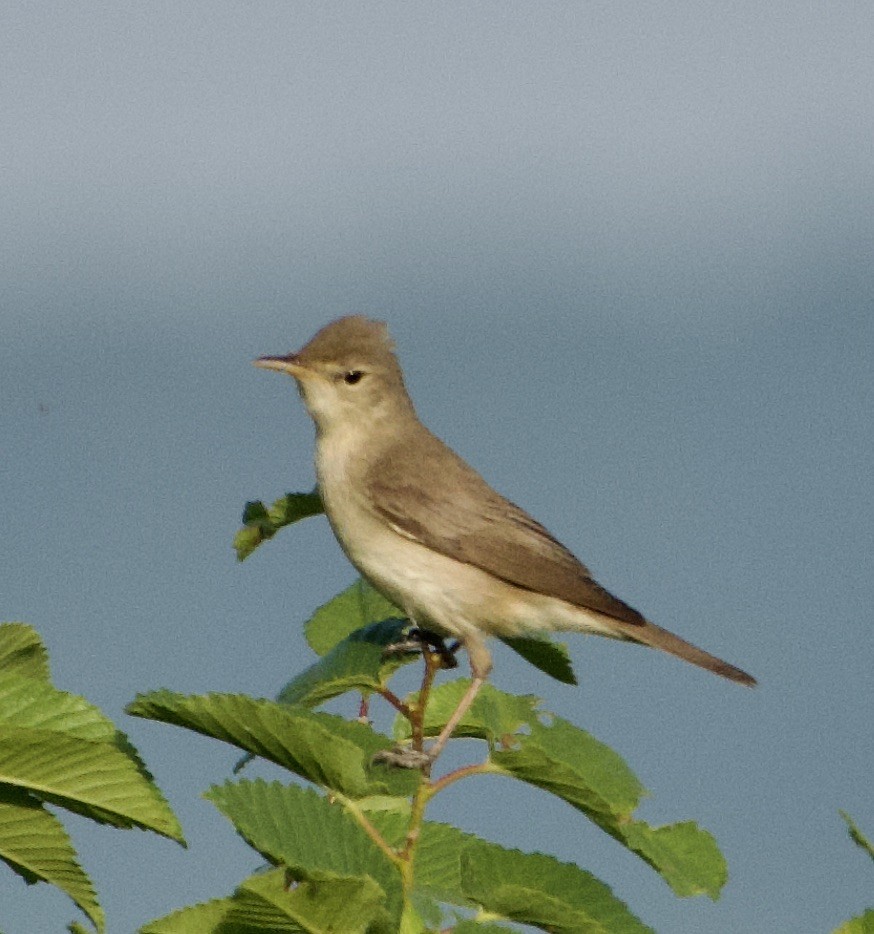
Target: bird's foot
(418, 640)
(403, 757)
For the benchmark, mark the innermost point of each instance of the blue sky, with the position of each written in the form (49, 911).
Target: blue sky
(625, 252)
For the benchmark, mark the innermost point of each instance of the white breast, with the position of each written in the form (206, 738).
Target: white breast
(433, 589)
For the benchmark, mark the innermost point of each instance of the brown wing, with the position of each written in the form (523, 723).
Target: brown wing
(458, 514)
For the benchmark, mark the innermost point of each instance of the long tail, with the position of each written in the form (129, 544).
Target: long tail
(658, 638)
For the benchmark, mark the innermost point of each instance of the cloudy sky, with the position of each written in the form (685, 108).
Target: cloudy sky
(625, 251)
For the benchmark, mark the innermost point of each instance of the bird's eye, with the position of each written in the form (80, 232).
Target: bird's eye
(352, 377)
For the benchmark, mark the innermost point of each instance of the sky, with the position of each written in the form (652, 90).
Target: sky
(625, 252)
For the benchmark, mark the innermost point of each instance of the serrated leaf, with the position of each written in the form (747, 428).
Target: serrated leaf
(552, 658)
(65, 750)
(315, 841)
(494, 714)
(422, 914)
(327, 750)
(856, 835)
(95, 779)
(438, 862)
(863, 924)
(571, 764)
(351, 905)
(265, 904)
(459, 868)
(22, 652)
(34, 844)
(29, 703)
(357, 606)
(261, 523)
(685, 855)
(531, 888)
(214, 917)
(357, 663)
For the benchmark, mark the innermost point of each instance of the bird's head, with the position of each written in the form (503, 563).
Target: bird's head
(348, 374)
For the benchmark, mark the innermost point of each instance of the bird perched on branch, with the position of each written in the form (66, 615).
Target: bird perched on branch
(425, 529)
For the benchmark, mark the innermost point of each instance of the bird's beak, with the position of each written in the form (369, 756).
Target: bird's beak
(288, 364)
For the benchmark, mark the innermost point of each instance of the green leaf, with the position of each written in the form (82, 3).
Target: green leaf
(684, 854)
(316, 842)
(550, 657)
(22, 652)
(351, 905)
(481, 927)
(265, 904)
(459, 868)
(357, 663)
(34, 844)
(325, 749)
(492, 716)
(29, 703)
(219, 916)
(438, 862)
(857, 836)
(91, 778)
(422, 914)
(57, 748)
(64, 750)
(359, 605)
(571, 764)
(863, 924)
(261, 522)
(531, 888)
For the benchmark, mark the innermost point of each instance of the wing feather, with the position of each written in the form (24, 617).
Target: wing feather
(433, 497)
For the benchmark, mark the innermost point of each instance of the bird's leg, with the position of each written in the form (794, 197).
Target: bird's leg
(480, 666)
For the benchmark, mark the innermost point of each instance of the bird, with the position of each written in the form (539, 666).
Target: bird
(428, 532)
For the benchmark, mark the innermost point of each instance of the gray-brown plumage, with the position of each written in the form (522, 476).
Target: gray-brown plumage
(486, 530)
(427, 530)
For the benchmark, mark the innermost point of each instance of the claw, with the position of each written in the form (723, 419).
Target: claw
(402, 757)
(419, 639)
(411, 646)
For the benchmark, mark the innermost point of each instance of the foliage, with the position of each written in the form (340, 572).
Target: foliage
(353, 850)
(863, 923)
(57, 749)
(261, 523)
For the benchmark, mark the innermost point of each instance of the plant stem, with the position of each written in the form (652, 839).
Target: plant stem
(371, 831)
(402, 708)
(423, 793)
(417, 815)
(417, 720)
(482, 768)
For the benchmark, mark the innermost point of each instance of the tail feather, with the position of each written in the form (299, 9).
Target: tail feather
(658, 638)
